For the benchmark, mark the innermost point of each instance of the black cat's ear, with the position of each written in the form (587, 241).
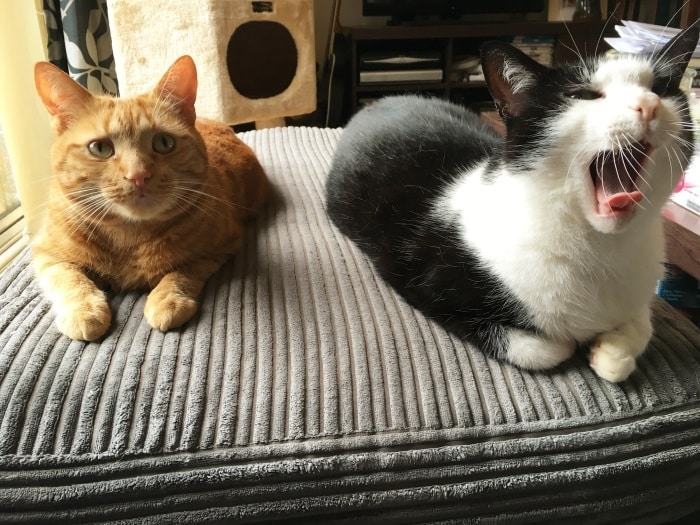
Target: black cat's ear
(673, 58)
(509, 74)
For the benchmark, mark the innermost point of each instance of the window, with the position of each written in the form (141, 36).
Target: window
(25, 134)
(11, 223)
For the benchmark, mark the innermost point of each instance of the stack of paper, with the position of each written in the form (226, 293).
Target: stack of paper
(638, 37)
(688, 192)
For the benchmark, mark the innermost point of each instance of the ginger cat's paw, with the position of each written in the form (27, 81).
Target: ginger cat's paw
(85, 319)
(166, 308)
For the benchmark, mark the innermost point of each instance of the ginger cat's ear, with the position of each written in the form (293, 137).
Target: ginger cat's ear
(179, 84)
(62, 96)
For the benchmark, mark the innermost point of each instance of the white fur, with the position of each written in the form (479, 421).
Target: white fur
(613, 353)
(531, 352)
(517, 76)
(582, 276)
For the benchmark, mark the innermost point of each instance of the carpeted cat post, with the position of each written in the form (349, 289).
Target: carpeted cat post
(255, 60)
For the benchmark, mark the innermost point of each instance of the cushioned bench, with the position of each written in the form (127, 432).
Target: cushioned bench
(307, 391)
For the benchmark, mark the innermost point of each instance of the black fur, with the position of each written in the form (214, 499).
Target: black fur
(380, 193)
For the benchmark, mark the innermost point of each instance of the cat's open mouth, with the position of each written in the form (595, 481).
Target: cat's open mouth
(615, 176)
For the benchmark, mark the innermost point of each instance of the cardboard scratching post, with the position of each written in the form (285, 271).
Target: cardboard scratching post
(255, 60)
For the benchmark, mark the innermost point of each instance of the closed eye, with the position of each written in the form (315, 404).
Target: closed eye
(583, 94)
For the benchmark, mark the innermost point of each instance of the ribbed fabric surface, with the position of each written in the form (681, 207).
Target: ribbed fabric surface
(306, 390)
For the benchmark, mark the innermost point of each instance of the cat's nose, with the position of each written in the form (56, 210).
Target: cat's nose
(646, 104)
(138, 177)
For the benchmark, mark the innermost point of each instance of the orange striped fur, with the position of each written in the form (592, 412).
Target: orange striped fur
(143, 196)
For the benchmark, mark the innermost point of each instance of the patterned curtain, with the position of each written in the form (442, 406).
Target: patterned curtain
(79, 42)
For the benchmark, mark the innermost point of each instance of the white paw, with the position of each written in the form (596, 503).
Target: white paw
(611, 357)
(532, 352)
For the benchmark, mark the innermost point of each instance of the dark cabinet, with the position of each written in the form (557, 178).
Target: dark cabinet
(447, 46)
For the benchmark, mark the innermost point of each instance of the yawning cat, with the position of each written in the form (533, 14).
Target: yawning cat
(143, 197)
(534, 245)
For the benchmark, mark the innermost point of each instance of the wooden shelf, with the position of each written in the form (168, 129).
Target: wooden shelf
(572, 40)
(463, 30)
(420, 86)
(682, 229)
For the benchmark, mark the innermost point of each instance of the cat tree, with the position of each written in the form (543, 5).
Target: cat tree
(255, 60)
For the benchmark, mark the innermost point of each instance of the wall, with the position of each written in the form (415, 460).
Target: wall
(25, 121)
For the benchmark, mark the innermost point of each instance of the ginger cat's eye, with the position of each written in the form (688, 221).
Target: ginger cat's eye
(163, 143)
(102, 149)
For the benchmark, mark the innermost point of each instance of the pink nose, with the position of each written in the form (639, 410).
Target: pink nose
(138, 177)
(646, 105)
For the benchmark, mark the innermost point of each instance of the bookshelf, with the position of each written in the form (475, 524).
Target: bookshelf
(450, 41)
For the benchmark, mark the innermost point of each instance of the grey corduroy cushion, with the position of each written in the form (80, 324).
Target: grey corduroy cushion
(307, 391)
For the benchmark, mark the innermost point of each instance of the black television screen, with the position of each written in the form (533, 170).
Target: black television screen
(400, 10)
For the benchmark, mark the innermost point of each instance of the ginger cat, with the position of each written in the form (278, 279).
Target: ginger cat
(143, 196)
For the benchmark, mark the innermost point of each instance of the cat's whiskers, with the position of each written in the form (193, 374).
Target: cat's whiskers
(106, 207)
(185, 205)
(660, 59)
(684, 144)
(629, 162)
(87, 213)
(81, 200)
(49, 178)
(680, 161)
(575, 50)
(608, 20)
(184, 202)
(39, 209)
(684, 127)
(669, 63)
(164, 107)
(158, 110)
(671, 182)
(641, 164)
(600, 165)
(210, 195)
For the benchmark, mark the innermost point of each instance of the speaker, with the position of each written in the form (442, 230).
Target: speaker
(255, 59)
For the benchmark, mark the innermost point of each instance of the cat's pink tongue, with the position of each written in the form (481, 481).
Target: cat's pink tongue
(619, 202)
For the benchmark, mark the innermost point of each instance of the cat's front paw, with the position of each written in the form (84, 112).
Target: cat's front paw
(609, 359)
(613, 355)
(86, 320)
(167, 309)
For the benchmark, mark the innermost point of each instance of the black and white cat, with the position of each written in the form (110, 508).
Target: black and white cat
(532, 246)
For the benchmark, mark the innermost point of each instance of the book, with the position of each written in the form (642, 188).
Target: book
(538, 47)
(396, 61)
(401, 75)
(680, 290)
